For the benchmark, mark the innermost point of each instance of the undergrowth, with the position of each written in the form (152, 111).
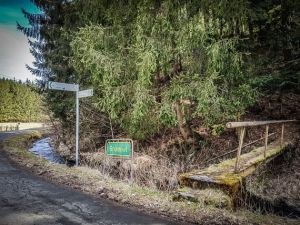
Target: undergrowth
(90, 181)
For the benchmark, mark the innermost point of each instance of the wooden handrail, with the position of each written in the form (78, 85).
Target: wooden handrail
(227, 153)
(256, 123)
(245, 124)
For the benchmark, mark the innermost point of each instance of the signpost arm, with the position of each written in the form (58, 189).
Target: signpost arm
(77, 126)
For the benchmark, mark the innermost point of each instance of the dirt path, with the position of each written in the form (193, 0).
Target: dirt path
(26, 199)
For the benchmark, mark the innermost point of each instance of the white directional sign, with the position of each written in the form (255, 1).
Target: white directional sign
(63, 86)
(85, 93)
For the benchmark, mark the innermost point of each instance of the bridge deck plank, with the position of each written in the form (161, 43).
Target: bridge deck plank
(222, 175)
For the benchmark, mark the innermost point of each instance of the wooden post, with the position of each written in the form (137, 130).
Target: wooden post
(266, 141)
(242, 133)
(281, 138)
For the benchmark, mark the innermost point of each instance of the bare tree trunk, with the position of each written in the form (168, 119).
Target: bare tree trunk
(184, 129)
(250, 26)
(221, 26)
(206, 19)
(285, 23)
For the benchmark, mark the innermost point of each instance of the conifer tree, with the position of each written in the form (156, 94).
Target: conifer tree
(19, 102)
(49, 51)
(164, 62)
(167, 53)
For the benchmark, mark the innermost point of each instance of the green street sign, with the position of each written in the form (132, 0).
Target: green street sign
(122, 148)
(119, 148)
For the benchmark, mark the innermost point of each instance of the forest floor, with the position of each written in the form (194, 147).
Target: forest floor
(278, 182)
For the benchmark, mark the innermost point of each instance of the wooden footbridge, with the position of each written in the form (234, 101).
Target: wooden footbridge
(229, 175)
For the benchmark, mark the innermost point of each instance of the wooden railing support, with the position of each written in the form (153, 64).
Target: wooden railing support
(266, 141)
(281, 137)
(242, 134)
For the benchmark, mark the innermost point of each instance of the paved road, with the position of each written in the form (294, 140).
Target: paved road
(29, 200)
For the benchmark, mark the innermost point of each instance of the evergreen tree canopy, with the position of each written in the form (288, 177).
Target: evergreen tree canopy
(165, 54)
(19, 102)
(161, 63)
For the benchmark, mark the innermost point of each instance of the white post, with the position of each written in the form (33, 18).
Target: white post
(77, 126)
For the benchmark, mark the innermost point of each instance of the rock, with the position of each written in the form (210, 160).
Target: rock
(103, 192)
(295, 191)
(103, 195)
(179, 196)
(110, 196)
(124, 201)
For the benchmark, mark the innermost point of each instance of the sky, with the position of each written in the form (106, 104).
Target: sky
(14, 47)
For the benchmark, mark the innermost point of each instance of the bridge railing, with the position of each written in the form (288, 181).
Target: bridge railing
(9, 128)
(243, 125)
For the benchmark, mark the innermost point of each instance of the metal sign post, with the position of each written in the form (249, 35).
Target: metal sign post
(77, 128)
(79, 94)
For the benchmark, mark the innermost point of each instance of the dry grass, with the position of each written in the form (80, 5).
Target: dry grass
(156, 174)
(90, 181)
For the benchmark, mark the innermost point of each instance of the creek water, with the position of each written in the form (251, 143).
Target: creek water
(43, 148)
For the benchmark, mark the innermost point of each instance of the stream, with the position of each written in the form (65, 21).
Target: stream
(43, 148)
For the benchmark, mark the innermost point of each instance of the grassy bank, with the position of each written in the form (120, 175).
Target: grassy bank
(90, 181)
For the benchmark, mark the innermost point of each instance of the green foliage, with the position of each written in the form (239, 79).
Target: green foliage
(127, 61)
(167, 115)
(143, 57)
(276, 48)
(19, 103)
(218, 129)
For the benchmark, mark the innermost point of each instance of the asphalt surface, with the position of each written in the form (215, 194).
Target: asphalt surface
(29, 200)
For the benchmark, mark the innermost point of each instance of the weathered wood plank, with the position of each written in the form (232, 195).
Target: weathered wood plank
(222, 176)
(256, 123)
